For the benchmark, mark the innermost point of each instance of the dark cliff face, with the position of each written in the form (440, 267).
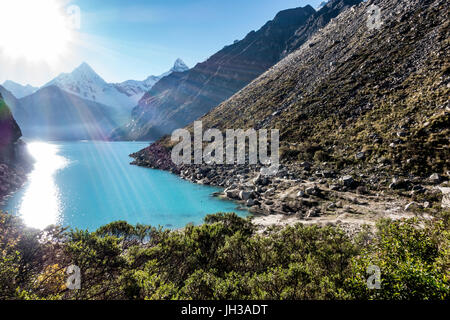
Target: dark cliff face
(181, 98)
(14, 161)
(9, 130)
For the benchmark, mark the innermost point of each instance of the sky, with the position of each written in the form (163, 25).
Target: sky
(124, 40)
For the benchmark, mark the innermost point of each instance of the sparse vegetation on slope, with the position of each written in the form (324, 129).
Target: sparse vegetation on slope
(363, 117)
(348, 90)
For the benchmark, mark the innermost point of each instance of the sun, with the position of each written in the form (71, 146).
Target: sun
(36, 30)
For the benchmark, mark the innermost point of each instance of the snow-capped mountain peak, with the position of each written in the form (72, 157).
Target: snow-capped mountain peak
(78, 80)
(84, 82)
(179, 66)
(85, 73)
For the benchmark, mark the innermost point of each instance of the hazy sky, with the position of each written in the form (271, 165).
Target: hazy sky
(125, 40)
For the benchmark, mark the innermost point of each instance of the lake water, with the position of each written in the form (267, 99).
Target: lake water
(89, 184)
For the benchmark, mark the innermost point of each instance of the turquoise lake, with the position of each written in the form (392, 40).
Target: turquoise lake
(89, 184)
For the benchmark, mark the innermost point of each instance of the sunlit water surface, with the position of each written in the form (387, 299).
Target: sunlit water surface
(89, 184)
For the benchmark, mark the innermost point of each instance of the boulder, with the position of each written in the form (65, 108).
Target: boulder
(245, 195)
(250, 203)
(301, 194)
(412, 206)
(332, 206)
(348, 181)
(313, 213)
(232, 194)
(446, 198)
(360, 155)
(398, 183)
(435, 178)
(335, 187)
(313, 191)
(261, 180)
(305, 165)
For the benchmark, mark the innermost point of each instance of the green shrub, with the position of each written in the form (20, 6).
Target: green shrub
(226, 258)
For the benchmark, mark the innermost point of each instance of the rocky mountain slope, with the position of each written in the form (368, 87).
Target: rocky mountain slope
(356, 97)
(18, 90)
(325, 12)
(181, 98)
(363, 115)
(14, 161)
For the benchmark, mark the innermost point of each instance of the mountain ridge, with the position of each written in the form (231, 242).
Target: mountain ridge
(84, 82)
(327, 69)
(87, 84)
(136, 88)
(179, 99)
(41, 116)
(18, 90)
(68, 97)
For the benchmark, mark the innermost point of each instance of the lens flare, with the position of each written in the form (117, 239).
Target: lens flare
(38, 30)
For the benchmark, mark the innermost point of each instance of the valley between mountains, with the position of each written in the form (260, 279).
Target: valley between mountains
(363, 113)
(359, 93)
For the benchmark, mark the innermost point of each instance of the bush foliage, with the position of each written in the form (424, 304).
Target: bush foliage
(225, 258)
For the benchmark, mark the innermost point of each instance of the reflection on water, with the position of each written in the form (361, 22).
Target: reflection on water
(89, 184)
(41, 205)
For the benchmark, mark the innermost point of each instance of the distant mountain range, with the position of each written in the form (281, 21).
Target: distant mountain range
(181, 98)
(136, 89)
(77, 105)
(87, 84)
(54, 114)
(18, 90)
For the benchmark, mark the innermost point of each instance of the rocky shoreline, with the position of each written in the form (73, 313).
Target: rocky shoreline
(14, 171)
(308, 193)
(11, 180)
